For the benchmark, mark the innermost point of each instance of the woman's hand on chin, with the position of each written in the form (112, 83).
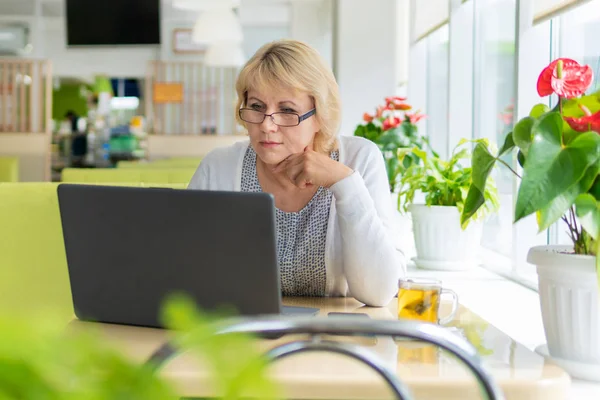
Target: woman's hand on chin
(311, 168)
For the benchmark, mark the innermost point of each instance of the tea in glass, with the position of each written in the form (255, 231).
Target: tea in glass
(419, 299)
(418, 303)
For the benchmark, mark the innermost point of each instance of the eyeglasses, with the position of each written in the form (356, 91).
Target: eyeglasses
(284, 119)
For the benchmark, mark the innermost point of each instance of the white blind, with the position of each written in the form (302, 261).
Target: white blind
(544, 9)
(429, 15)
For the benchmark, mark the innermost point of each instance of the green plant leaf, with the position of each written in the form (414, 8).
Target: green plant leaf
(561, 203)
(521, 158)
(392, 166)
(571, 107)
(588, 212)
(508, 145)
(409, 129)
(595, 189)
(369, 131)
(552, 168)
(522, 134)
(390, 140)
(538, 110)
(482, 164)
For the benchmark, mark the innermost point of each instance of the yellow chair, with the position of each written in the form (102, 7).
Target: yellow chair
(177, 162)
(9, 169)
(190, 162)
(33, 267)
(138, 175)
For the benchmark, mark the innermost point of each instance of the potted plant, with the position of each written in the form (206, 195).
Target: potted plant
(393, 127)
(559, 152)
(443, 241)
(41, 359)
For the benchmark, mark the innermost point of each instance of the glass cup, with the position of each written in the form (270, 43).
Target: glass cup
(420, 299)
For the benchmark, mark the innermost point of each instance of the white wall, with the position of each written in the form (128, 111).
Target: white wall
(261, 23)
(128, 61)
(365, 47)
(402, 45)
(312, 22)
(256, 36)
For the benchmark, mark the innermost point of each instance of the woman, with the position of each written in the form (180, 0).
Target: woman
(334, 211)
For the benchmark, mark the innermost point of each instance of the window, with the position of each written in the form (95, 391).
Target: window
(576, 33)
(493, 109)
(480, 77)
(437, 89)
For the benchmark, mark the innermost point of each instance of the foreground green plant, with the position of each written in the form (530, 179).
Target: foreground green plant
(40, 359)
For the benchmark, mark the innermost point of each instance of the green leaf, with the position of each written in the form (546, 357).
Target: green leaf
(588, 212)
(521, 158)
(522, 134)
(360, 131)
(508, 145)
(482, 164)
(369, 131)
(552, 168)
(538, 110)
(595, 189)
(561, 204)
(392, 166)
(571, 108)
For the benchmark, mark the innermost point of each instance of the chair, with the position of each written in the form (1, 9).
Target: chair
(128, 175)
(315, 327)
(176, 162)
(9, 169)
(33, 266)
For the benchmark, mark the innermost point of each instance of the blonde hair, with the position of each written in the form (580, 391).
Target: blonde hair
(295, 65)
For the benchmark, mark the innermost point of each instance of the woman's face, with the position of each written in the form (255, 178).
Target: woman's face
(273, 143)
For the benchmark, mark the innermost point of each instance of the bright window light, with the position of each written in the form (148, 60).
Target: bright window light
(124, 103)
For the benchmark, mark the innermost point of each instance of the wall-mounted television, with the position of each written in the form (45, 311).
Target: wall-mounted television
(112, 22)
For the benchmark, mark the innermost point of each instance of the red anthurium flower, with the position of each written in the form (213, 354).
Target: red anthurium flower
(394, 99)
(416, 117)
(367, 117)
(589, 122)
(391, 122)
(574, 79)
(400, 106)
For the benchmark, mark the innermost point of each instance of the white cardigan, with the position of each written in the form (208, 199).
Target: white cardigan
(362, 258)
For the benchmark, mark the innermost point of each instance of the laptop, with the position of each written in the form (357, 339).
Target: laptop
(129, 248)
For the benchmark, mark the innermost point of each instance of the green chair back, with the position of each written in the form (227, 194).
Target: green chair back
(128, 175)
(33, 267)
(181, 162)
(9, 169)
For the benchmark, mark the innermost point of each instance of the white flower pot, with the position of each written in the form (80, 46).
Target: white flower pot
(440, 241)
(568, 288)
(404, 228)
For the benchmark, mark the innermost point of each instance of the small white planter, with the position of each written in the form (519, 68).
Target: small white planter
(404, 228)
(440, 242)
(568, 288)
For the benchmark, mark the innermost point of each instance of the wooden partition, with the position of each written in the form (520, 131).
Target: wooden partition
(26, 115)
(189, 98)
(25, 95)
